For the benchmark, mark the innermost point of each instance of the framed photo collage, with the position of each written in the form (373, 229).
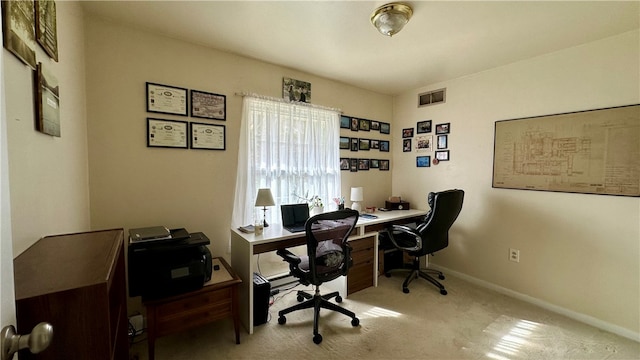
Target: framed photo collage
(423, 142)
(365, 138)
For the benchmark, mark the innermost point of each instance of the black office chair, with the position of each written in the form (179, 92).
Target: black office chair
(429, 236)
(328, 257)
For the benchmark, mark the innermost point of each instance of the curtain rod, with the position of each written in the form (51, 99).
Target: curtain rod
(264, 97)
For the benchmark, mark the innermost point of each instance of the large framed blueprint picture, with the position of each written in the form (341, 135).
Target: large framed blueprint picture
(592, 152)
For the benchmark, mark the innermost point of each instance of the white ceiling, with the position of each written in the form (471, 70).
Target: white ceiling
(335, 39)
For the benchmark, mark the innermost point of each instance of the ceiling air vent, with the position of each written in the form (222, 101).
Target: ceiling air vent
(432, 97)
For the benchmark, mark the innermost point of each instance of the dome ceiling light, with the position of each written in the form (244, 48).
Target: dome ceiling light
(389, 19)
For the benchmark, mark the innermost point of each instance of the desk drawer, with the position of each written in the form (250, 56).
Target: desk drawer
(193, 303)
(360, 277)
(361, 244)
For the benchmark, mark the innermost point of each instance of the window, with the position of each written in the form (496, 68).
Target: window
(291, 148)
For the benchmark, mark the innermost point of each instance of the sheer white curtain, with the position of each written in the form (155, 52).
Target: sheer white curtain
(291, 148)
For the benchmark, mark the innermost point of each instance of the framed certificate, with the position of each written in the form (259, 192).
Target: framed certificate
(208, 136)
(166, 99)
(166, 133)
(208, 105)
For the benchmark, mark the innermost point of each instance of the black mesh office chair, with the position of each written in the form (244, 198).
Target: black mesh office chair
(429, 236)
(328, 257)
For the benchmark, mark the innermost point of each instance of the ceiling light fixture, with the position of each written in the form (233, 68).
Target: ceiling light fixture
(389, 19)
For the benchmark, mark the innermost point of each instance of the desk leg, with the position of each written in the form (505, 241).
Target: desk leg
(242, 264)
(236, 313)
(151, 331)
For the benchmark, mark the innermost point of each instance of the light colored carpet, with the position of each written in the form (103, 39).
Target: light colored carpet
(469, 323)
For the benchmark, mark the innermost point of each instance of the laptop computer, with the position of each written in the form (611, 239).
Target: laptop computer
(294, 216)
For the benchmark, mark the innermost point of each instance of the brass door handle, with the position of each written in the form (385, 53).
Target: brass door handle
(38, 340)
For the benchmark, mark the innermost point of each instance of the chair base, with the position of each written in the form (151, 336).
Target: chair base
(415, 272)
(317, 302)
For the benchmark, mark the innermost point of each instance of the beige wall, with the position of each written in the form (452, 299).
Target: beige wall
(49, 175)
(577, 252)
(132, 185)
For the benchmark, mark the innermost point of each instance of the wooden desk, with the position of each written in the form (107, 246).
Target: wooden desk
(216, 300)
(245, 246)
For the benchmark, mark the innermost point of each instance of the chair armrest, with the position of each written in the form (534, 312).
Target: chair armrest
(405, 238)
(288, 256)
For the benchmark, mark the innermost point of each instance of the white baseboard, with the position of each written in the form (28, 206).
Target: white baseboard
(618, 330)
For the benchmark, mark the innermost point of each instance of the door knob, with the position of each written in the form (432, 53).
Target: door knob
(38, 340)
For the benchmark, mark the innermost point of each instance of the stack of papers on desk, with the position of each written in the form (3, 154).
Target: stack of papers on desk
(249, 229)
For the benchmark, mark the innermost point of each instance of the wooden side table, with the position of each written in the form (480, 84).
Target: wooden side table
(216, 300)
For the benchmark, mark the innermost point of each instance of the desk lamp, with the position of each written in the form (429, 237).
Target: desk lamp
(356, 196)
(264, 199)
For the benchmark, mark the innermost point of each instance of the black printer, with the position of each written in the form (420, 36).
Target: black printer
(165, 263)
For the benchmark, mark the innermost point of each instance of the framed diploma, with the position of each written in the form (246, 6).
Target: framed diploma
(208, 105)
(166, 133)
(46, 27)
(166, 99)
(207, 136)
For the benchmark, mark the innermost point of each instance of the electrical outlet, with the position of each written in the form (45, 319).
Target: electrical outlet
(514, 255)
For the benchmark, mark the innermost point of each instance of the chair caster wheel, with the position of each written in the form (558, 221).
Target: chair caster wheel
(405, 290)
(355, 322)
(338, 299)
(300, 298)
(441, 277)
(282, 320)
(317, 338)
(443, 292)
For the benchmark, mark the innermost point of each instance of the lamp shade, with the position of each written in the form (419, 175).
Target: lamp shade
(264, 198)
(357, 194)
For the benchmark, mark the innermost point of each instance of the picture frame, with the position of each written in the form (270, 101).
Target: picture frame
(207, 136)
(353, 165)
(374, 144)
(47, 102)
(167, 133)
(345, 122)
(165, 99)
(384, 165)
(375, 125)
(206, 105)
(406, 145)
(344, 163)
(345, 143)
(364, 144)
(354, 144)
(407, 133)
(424, 143)
(384, 145)
(354, 124)
(374, 163)
(364, 125)
(18, 16)
(442, 142)
(46, 28)
(423, 161)
(442, 155)
(443, 128)
(385, 128)
(363, 164)
(296, 90)
(423, 127)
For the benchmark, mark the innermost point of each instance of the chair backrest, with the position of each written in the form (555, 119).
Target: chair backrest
(327, 247)
(445, 208)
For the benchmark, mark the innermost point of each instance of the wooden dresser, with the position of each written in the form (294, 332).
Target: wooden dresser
(75, 282)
